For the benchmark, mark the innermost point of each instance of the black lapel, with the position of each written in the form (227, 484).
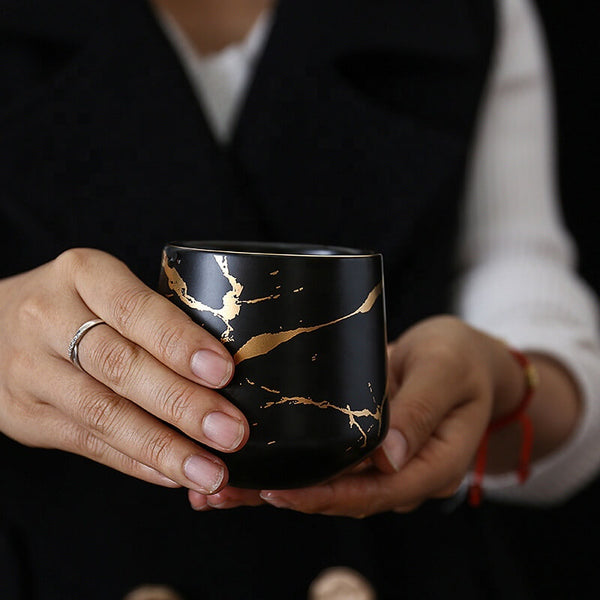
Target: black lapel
(113, 151)
(360, 114)
(355, 131)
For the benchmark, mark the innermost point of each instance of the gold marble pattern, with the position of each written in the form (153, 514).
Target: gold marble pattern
(353, 415)
(266, 342)
(231, 304)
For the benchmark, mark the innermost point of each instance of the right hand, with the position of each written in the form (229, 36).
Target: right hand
(147, 381)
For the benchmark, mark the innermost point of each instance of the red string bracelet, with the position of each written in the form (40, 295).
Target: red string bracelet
(517, 415)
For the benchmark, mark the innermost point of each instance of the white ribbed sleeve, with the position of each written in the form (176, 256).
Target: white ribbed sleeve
(516, 257)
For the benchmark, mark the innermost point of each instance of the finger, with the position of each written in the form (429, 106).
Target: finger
(112, 292)
(228, 497)
(442, 461)
(60, 433)
(80, 441)
(355, 496)
(131, 430)
(231, 497)
(433, 386)
(133, 373)
(198, 501)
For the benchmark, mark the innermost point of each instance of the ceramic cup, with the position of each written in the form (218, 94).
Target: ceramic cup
(305, 325)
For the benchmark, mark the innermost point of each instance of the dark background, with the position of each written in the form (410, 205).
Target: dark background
(558, 547)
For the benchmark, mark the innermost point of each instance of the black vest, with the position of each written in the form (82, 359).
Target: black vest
(355, 131)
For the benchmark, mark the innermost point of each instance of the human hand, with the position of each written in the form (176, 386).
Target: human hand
(447, 379)
(147, 381)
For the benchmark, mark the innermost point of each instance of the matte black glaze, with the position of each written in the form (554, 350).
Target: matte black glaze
(306, 327)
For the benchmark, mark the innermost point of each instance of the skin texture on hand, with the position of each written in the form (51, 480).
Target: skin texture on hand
(151, 374)
(447, 381)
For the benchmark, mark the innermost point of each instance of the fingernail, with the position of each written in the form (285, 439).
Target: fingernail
(216, 501)
(223, 429)
(200, 505)
(395, 448)
(206, 474)
(274, 500)
(211, 367)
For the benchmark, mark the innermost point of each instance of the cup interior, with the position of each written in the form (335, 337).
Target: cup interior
(274, 248)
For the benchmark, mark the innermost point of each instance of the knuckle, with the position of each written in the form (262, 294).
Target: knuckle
(126, 464)
(168, 340)
(178, 403)
(100, 413)
(327, 503)
(129, 305)
(446, 355)
(158, 449)
(73, 259)
(71, 437)
(117, 360)
(420, 418)
(85, 442)
(451, 323)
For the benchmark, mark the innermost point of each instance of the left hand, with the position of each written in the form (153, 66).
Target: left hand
(447, 379)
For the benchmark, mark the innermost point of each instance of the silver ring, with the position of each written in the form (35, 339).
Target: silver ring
(74, 344)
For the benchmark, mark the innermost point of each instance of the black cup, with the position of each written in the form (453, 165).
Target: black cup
(306, 327)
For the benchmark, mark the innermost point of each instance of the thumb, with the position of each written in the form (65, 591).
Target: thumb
(421, 404)
(391, 455)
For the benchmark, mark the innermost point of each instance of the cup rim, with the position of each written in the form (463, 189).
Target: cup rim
(255, 248)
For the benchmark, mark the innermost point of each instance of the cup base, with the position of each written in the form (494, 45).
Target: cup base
(275, 468)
